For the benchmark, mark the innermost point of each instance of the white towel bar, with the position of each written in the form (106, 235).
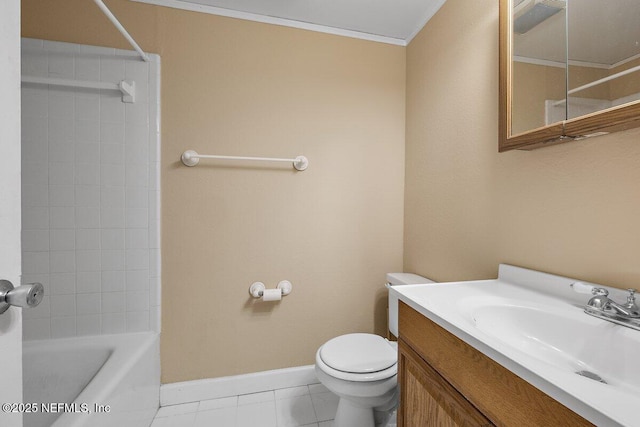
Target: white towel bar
(192, 158)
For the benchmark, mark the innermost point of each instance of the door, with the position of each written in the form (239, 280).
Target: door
(10, 212)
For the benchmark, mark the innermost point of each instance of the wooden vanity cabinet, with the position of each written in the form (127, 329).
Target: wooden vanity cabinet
(446, 382)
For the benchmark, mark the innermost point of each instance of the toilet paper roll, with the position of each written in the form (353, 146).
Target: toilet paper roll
(271, 295)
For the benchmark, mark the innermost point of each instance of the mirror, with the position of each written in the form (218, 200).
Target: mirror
(569, 69)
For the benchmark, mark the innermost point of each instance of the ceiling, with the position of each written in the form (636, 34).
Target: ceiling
(600, 32)
(395, 22)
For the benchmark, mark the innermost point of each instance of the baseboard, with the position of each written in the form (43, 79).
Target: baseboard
(215, 388)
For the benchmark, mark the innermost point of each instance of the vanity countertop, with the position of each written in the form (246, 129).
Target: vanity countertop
(533, 324)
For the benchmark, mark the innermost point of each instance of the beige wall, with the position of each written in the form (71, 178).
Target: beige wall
(242, 88)
(571, 209)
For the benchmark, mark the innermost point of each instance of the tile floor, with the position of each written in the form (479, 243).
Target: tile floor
(308, 406)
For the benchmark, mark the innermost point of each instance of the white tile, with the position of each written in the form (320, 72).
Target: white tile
(137, 113)
(35, 218)
(287, 393)
(136, 70)
(62, 151)
(112, 238)
(87, 153)
(88, 282)
(61, 65)
(137, 259)
(217, 417)
(326, 424)
(137, 217)
(111, 69)
(59, 47)
(88, 260)
(62, 217)
(35, 64)
(136, 197)
(137, 238)
(182, 420)
(35, 173)
(62, 195)
(137, 321)
(155, 295)
(35, 195)
(112, 323)
(295, 411)
(257, 415)
(61, 130)
(88, 107)
(62, 283)
(155, 262)
(112, 175)
(36, 132)
(61, 106)
(87, 238)
(112, 154)
(28, 44)
(87, 174)
(154, 234)
(36, 329)
(88, 304)
(224, 402)
(87, 68)
(249, 399)
(325, 405)
(112, 109)
(62, 239)
(84, 50)
(112, 133)
(35, 150)
(88, 325)
(87, 131)
(137, 175)
(112, 197)
(113, 302)
(137, 301)
(41, 311)
(63, 327)
(35, 103)
(87, 196)
(62, 262)
(184, 408)
(61, 173)
(136, 151)
(88, 217)
(154, 320)
(63, 305)
(35, 240)
(137, 280)
(113, 281)
(113, 260)
(35, 262)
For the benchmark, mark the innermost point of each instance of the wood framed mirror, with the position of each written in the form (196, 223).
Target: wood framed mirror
(569, 69)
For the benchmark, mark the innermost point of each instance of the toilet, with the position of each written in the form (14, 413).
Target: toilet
(361, 369)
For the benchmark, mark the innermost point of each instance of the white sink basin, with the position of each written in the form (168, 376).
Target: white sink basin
(533, 324)
(568, 340)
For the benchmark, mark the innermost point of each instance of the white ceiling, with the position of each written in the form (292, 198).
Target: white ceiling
(395, 22)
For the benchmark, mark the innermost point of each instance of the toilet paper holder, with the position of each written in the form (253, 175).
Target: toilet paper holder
(257, 289)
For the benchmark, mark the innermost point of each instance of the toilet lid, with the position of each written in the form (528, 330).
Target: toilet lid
(358, 353)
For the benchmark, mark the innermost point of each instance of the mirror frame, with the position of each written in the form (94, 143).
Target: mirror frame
(626, 116)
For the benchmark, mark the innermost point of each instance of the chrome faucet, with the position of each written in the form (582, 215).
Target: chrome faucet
(603, 307)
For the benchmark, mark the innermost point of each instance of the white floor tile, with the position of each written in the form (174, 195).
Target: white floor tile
(223, 417)
(225, 402)
(295, 412)
(249, 399)
(287, 393)
(257, 415)
(185, 408)
(317, 388)
(325, 404)
(326, 424)
(181, 420)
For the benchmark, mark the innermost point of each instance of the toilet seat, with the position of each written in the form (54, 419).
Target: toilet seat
(358, 357)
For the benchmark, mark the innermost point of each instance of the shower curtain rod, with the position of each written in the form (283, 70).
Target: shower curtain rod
(103, 7)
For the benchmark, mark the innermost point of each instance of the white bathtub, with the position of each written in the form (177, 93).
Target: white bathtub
(122, 371)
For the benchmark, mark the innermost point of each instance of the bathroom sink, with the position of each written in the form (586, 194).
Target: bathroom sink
(534, 324)
(567, 340)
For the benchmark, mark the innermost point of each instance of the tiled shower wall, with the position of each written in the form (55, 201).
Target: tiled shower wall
(90, 192)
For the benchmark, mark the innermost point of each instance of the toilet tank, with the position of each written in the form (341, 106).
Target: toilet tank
(399, 279)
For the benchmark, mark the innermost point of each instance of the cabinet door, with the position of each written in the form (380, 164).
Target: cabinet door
(427, 399)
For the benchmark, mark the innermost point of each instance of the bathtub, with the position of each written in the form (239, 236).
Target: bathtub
(105, 381)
